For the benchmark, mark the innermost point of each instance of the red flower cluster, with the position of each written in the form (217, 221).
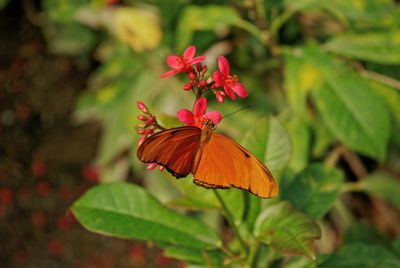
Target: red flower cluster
(192, 66)
(222, 83)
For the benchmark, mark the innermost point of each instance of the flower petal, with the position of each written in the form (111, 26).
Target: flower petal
(169, 73)
(173, 62)
(197, 59)
(240, 90)
(189, 53)
(218, 78)
(200, 107)
(185, 116)
(223, 65)
(228, 90)
(214, 116)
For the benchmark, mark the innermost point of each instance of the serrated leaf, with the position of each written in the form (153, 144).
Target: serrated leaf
(314, 190)
(379, 47)
(287, 230)
(128, 211)
(361, 255)
(211, 258)
(383, 186)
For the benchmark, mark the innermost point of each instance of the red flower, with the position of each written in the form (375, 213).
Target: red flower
(199, 115)
(182, 64)
(223, 78)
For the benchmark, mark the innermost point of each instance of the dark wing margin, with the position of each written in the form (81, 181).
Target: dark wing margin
(173, 148)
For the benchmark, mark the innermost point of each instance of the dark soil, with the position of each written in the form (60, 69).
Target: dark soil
(45, 159)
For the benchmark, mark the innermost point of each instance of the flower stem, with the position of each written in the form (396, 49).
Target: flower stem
(231, 221)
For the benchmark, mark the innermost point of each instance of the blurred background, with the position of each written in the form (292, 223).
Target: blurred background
(72, 71)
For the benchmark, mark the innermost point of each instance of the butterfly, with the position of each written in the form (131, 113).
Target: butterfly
(215, 160)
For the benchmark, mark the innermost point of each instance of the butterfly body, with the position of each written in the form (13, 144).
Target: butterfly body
(215, 160)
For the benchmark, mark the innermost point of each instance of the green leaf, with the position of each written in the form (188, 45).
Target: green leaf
(347, 104)
(287, 230)
(363, 233)
(211, 258)
(128, 211)
(71, 38)
(234, 201)
(383, 186)
(379, 47)
(193, 196)
(209, 18)
(300, 138)
(396, 247)
(270, 142)
(314, 190)
(301, 76)
(390, 96)
(3, 3)
(63, 11)
(361, 255)
(300, 262)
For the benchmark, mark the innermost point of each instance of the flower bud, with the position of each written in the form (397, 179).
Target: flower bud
(141, 140)
(151, 166)
(204, 69)
(148, 131)
(202, 83)
(140, 130)
(192, 75)
(142, 107)
(220, 97)
(150, 120)
(142, 117)
(188, 86)
(161, 168)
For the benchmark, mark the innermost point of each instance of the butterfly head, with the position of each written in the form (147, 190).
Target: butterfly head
(209, 124)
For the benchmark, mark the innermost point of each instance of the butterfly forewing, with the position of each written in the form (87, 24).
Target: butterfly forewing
(173, 148)
(225, 163)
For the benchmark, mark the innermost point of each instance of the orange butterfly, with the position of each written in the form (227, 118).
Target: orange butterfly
(215, 160)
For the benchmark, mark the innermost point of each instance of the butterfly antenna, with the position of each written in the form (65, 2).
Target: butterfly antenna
(241, 109)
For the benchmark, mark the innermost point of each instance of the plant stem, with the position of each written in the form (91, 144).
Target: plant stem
(231, 221)
(252, 254)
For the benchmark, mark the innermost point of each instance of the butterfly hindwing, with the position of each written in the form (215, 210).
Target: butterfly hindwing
(173, 148)
(224, 163)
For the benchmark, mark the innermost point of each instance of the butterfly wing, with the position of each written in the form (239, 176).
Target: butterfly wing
(173, 148)
(224, 163)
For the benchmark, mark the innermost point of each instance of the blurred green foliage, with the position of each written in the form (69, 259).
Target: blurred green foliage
(323, 80)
